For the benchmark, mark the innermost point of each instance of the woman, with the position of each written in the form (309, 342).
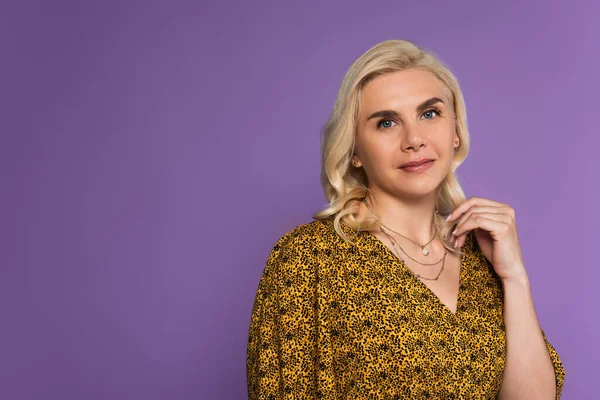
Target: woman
(400, 288)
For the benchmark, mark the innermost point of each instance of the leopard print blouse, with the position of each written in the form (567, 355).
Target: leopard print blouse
(335, 321)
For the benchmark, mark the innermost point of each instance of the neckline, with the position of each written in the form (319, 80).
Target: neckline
(416, 281)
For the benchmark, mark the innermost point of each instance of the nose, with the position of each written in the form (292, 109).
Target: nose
(414, 139)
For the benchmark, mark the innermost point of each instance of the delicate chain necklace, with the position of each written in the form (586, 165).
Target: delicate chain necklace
(425, 251)
(395, 243)
(442, 260)
(422, 246)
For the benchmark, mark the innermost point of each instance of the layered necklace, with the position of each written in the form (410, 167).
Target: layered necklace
(423, 247)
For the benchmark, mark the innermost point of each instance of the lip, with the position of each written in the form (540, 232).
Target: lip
(424, 166)
(416, 162)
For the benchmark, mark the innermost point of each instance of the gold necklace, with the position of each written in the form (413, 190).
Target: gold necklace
(442, 260)
(424, 246)
(425, 251)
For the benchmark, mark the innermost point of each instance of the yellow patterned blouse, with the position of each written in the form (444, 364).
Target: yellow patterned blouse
(334, 321)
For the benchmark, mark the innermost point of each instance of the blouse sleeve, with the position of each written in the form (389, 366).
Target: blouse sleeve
(288, 340)
(559, 370)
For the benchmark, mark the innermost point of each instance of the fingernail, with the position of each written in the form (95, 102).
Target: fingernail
(448, 217)
(454, 232)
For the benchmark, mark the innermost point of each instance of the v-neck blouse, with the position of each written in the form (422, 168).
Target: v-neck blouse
(335, 321)
(387, 253)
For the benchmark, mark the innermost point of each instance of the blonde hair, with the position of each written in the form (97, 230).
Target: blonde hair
(345, 186)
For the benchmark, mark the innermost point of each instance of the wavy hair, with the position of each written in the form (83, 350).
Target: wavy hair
(345, 186)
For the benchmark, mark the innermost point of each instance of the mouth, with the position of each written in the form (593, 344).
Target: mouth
(425, 165)
(416, 162)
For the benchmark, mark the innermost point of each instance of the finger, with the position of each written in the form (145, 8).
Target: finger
(486, 221)
(464, 206)
(475, 210)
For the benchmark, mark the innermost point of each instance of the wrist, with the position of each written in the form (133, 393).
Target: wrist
(521, 279)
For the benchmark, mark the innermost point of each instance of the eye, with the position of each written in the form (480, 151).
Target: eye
(379, 124)
(432, 110)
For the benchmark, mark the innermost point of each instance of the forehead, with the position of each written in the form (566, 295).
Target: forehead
(400, 89)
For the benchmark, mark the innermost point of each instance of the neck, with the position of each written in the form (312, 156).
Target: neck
(414, 219)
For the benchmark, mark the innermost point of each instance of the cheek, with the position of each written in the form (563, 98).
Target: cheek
(386, 155)
(378, 149)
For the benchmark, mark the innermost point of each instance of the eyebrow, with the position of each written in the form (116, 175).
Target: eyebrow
(420, 107)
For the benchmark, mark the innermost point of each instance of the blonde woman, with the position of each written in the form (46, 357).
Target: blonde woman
(401, 287)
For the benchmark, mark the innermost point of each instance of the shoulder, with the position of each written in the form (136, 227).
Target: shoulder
(303, 245)
(306, 236)
(308, 257)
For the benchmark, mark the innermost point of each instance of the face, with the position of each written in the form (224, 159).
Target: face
(405, 116)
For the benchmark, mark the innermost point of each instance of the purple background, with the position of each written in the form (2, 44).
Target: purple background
(153, 152)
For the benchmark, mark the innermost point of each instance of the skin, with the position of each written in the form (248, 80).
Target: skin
(405, 201)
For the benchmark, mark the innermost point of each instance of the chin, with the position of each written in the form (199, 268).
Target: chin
(418, 188)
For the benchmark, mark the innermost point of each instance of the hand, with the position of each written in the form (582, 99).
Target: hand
(496, 232)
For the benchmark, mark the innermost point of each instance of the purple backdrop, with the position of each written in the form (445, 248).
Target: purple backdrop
(153, 152)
